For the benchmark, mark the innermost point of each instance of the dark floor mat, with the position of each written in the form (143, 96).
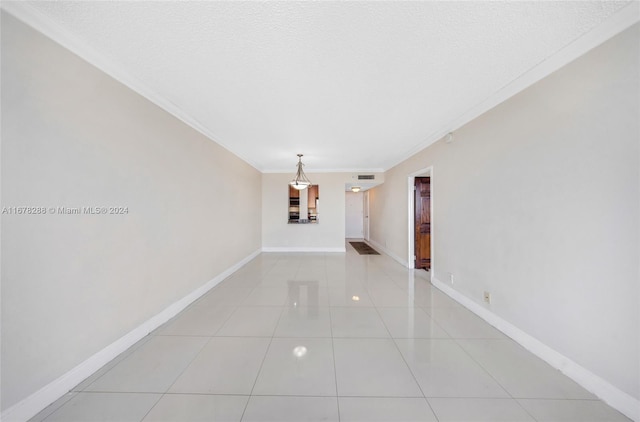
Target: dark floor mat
(363, 248)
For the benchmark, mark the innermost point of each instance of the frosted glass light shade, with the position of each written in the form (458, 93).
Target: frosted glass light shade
(301, 181)
(299, 184)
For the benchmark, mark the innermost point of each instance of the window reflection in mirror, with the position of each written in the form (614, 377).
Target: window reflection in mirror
(304, 205)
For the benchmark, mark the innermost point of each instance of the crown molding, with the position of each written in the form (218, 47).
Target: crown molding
(619, 21)
(616, 23)
(310, 171)
(43, 24)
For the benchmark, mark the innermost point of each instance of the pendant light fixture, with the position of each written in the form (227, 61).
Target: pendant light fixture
(301, 181)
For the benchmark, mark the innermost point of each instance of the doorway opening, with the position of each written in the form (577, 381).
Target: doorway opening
(354, 216)
(422, 223)
(420, 220)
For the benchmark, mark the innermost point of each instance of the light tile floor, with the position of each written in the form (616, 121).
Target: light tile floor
(327, 337)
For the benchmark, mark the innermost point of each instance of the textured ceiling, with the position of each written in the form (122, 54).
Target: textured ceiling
(352, 85)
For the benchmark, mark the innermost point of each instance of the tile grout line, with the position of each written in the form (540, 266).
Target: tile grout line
(262, 275)
(333, 349)
(73, 394)
(121, 357)
(371, 269)
(491, 375)
(335, 370)
(424, 309)
(152, 407)
(189, 364)
(255, 381)
(393, 340)
(161, 394)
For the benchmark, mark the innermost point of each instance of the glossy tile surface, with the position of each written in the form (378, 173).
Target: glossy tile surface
(571, 411)
(153, 367)
(291, 364)
(522, 374)
(201, 319)
(410, 323)
(391, 296)
(365, 409)
(88, 407)
(291, 409)
(251, 321)
(304, 322)
(327, 337)
(372, 367)
(197, 408)
(357, 322)
(443, 369)
(349, 296)
(459, 322)
(226, 365)
(266, 296)
(479, 410)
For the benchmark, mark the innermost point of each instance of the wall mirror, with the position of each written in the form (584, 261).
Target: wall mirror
(304, 205)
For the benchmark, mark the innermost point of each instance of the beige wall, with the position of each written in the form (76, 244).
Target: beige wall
(74, 137)
(537, 201)
(327, 235)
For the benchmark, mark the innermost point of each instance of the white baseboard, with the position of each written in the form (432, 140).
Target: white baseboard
(384, 250)
(613, 396)
(36, 402)
(301, 249)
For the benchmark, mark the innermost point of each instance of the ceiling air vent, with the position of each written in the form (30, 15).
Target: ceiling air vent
(366, 177)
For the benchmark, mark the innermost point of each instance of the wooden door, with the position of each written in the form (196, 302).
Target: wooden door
(423, 222)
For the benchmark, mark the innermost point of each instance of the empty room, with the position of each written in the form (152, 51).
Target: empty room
(320, 211)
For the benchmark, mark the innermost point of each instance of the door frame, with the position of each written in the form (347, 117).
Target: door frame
(365, 215)
(425, 172)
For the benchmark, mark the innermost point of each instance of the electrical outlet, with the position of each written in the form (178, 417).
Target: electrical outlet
(487, 297)
(451, 278)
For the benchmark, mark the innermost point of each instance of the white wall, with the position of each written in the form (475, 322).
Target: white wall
(537, 201)
(327, 235)
(73, 137)
(354, 216)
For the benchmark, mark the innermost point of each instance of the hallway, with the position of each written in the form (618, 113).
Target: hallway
(306, 337)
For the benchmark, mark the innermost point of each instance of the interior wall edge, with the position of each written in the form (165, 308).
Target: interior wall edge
(38, 401)
(604, 390)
